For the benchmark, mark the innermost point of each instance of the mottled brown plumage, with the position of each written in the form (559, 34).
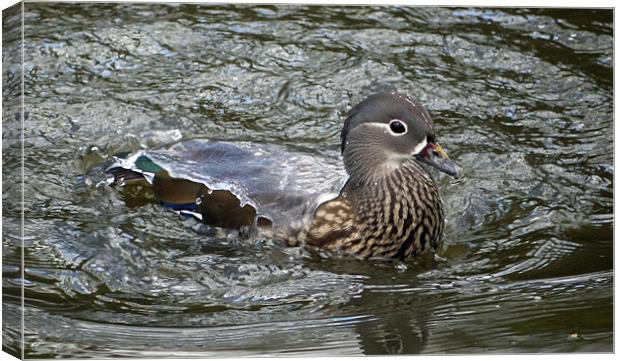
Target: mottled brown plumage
(390, 219)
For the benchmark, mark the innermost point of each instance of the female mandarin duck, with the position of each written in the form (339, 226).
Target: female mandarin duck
(388, 207)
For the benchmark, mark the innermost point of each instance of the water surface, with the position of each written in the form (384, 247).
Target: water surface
(521, 98)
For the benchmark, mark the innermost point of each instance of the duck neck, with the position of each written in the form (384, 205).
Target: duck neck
(407, 178)
(368, 166)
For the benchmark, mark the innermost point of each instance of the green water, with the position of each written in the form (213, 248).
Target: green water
(522, 99)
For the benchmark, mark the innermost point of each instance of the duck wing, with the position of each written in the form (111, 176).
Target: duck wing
(240, 179)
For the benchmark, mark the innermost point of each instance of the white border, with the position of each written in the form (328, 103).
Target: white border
(479, 3)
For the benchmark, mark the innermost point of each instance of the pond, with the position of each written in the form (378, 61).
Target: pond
(521, 98)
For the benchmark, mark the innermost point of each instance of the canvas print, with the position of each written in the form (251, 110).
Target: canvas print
(224, 180)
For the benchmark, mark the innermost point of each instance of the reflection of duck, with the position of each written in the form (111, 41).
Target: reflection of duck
(388, 207)
(401, 331)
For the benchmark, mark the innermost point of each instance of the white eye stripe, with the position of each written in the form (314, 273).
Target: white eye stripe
(380, 125)
(416, 150)
(388, 128)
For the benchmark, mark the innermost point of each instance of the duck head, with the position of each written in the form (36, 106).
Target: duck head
(386, 130)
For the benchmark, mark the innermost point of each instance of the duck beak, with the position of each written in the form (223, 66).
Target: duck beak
(433, 154)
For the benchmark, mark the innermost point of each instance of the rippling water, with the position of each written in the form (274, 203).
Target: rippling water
(522, 99)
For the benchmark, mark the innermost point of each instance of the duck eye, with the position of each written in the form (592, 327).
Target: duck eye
(398, 127)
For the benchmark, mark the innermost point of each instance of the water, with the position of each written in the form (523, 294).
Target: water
(521, 98)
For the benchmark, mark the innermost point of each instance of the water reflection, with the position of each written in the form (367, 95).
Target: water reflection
(404, 331)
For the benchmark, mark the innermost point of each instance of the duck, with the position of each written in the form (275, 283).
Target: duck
(378, 200)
